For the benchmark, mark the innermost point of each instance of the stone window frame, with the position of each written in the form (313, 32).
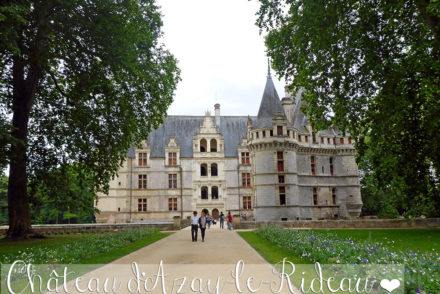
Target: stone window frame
(246, 180)
(142, 205)
(172, 181)
(172, 204)
(247, 202)
(142, 181)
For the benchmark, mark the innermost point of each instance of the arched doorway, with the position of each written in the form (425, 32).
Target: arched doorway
(215, 213)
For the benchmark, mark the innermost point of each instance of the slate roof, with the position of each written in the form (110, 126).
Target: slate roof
(183, 128)
(270, 105)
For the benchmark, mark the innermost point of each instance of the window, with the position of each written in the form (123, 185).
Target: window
(213, 145)
(279, 130)
(264, 134)
(280, 155)
(214, 192)
(203, 145)
(322, 140)
(314, 138)
(334, 196)
(172, 158)
(341, 141)
(258, 135)
(315, 196)
(204, 192)
(142, 204)
(288, 133)
(281, 179)
(247, 204)
(245, 158)
(214, 171)
(282, 191)
(142, 181)
(306, 138)
(172, 204)
(203, 169)
(246, 179)
(299, 138)
(349, 141)
(328, 141)
(312, 165)
(334, 141)
(142, 156)
(172, 181)
(271, 133)
(331, 167)
(280, 161)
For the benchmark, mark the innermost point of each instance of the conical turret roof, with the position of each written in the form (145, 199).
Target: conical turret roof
(270, 105)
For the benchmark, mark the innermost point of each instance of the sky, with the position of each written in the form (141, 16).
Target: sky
(220, 53)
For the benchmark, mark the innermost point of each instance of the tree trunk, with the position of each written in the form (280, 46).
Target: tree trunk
(432, 21)
(18, 202)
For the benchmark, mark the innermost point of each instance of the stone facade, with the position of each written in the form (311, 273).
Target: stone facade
(270, 167)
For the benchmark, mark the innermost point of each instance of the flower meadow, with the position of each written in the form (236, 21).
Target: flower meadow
(421, 270)
(74, 252)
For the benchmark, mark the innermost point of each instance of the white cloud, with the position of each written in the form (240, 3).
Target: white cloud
(221, 55)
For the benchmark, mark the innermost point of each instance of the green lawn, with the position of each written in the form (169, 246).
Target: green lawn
(88, 264)
(271, 252)
(8, 247)
(397, 239)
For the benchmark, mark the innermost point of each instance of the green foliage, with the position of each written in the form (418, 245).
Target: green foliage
(106, 81)
(80, 81)
(422, 269)
(3, 199)
(75, 252)
(372, 68)
(63, 195)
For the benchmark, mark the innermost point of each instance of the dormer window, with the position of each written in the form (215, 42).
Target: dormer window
(245, 158)
(142, 158)
(172, 158)
(279, 130)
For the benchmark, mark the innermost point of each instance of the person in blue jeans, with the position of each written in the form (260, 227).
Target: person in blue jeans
(222, 220)
(229, 221)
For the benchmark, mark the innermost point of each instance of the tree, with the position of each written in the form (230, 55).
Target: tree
(82, 80)
(372, 68)
(62, 195)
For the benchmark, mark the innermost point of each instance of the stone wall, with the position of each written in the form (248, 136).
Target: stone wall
(93, 228)
(418, 223)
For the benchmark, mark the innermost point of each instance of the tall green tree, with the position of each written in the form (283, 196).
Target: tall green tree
(82, 81)
(372, 68)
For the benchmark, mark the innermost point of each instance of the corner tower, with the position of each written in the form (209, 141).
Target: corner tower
(272, 143)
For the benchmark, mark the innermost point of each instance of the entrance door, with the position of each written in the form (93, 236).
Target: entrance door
(215, 213)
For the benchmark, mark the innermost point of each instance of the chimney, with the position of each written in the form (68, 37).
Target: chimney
(217, 114)
(287, 103)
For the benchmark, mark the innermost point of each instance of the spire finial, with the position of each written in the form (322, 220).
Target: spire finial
(268, 67)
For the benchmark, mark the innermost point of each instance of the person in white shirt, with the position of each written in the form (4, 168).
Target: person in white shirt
(194, 226)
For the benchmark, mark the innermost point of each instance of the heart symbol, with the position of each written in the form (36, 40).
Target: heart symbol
(390, 285)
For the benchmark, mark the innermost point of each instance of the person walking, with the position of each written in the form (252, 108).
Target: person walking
(229, 221)
(194, 226)
(202, 223)
(222, 220)
(208, 220)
